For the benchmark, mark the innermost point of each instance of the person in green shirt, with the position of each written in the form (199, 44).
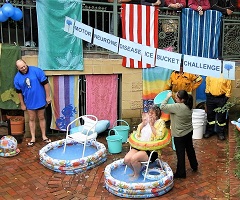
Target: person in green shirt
(181, 129)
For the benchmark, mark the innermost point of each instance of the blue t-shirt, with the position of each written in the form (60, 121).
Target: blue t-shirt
(32, 90)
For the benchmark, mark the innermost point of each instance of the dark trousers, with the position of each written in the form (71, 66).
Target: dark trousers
(183, 144)
(31, 29)
(213, 118)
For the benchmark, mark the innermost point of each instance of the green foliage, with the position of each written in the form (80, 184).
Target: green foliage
(237, 153)
(227, 106)
(224, 109)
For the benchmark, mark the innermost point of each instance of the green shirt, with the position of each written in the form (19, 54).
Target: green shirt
(181, 118)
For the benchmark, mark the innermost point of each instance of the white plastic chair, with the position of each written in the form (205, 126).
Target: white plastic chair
(146, 163)
(88, 132)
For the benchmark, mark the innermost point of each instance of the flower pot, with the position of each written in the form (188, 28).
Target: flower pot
(17, 125)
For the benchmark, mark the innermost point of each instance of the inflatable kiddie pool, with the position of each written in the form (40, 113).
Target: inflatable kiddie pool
(71, 162)
(151, 187)
(152, 145)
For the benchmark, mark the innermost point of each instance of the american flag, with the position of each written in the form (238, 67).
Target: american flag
(139, 25)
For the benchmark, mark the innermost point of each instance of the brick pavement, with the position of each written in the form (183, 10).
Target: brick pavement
(23, 178)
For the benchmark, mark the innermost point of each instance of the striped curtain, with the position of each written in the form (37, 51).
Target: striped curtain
(200, 37)
(65, 100)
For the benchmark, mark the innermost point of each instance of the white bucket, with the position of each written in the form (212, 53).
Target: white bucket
(205, 124)
(198, 131)
(198, 112)
(199, 123)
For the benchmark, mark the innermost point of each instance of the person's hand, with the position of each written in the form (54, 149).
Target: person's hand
(145, 121)
(174, 5)
(23, 107)
(199, 8)
(48, 100)
(169, 94)
(138, 134)
(178, 5)
(157, 3)
(171, 5)
(200, 12)
(229, 12)
(152, 120)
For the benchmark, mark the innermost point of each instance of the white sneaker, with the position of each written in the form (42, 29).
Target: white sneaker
(27, 44)
(33, 44)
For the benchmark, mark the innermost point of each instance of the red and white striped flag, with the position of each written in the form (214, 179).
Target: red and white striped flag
(139, 25)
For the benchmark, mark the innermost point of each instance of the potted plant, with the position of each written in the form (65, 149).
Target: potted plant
(16, 125)
(16, 122)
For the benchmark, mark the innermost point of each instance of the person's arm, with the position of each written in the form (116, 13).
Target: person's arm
(205, 5)
(20, 96)
(215, 6)
(192, 4)
(183, 3)
(44, 82)
(159, 129)
(139, 128)
(168, 2)
(47, 91)
(178, 5)
(169, 108)
(144, 2)
(228, 89)
(207, 85)
(197, 80)
(154, 131)
(232, 5)
(164, 102)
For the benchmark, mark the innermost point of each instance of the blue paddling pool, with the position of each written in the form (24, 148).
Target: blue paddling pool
(70, 161)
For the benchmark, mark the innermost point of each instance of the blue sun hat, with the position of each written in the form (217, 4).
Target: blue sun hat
(8, 146)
